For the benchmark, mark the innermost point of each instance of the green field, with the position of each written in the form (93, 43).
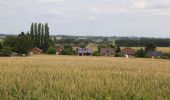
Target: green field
(84, 78)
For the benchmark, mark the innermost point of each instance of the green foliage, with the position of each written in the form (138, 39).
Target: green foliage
(150, 47)
(23, 43)
(10, 41)
(119, 54)
(46, 38)
(51, 51)
(39, 34)
(32, 31)
(96, 53)
(67, 50)
(118, 49)
(7, 50)
(105, 46)
(141, 42)
(36, 35)
(82, 45)
(1, 45)
(141, 53)
(166, 56)
(102, 46)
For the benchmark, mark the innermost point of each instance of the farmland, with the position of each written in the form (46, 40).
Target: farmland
(84, 78)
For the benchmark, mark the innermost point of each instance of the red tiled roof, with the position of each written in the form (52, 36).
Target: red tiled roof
(128, 51)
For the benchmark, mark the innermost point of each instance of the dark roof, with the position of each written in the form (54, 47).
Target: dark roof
(154, 53)
(128, 51)
(107, 51)
(85, 50)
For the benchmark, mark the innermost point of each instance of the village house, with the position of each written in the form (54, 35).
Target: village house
(128, 52)
(36, 51)
(84, 51)
(154, 54)
(107, 52)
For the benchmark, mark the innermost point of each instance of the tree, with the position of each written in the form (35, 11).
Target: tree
(39, 36)
(118, 49)
(42, 37)
(23, 43)
(67, 50)
(82, 45)
(150, 47)
(6, 50)
(36, 41)
(10, 41)
(32, 31)
(46, 37)
(102, 46)
(1, 46)
(141, 53)
(51, 50)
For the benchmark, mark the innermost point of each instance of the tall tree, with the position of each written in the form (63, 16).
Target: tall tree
(32, 31)
(36, 34)
(39, 36)
(46, 37)
(42, 37)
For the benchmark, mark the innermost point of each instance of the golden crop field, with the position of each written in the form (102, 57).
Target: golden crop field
(84, 78)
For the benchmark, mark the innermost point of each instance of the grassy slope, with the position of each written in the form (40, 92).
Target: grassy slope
(64, 77)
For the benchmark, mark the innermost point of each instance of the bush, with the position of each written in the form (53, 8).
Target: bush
(51, 51)
(6, 50)
(165, 56)
(68, 50)
(96, 53)
(141, 53)
(118, 54)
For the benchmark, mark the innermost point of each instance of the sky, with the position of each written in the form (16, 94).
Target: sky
(141, 18)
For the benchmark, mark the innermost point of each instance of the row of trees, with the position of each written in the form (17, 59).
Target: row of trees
(130, 42)
(37, 37)
(20, 44)
(40, 36)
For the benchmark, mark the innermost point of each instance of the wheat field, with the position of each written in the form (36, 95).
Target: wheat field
(83, 78)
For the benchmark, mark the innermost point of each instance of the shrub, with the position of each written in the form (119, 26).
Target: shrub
(51, 51)
(68, 50)
(96, 53)
(6, 50)
(118, 54)
(140, 53)
(165, 56)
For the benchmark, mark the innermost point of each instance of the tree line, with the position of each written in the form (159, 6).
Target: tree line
(128, 42)
(38, 36)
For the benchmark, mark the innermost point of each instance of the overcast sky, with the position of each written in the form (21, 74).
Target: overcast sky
(149, 18)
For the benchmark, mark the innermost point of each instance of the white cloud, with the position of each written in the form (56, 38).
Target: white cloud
(50, 1)
(139, 4)
(101, 12)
